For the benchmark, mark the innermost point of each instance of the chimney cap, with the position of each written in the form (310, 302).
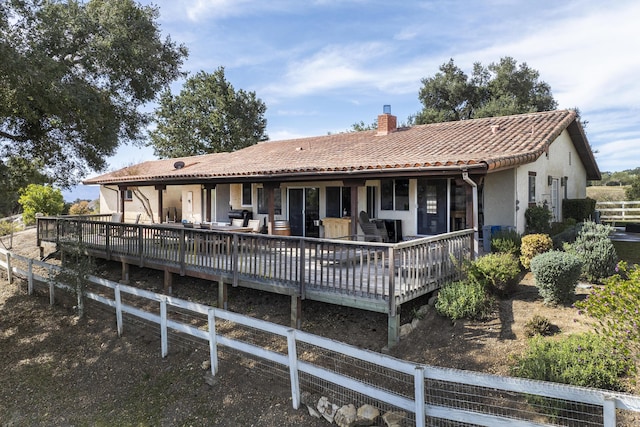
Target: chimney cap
(386, 109)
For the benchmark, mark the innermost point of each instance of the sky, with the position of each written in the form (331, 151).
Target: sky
(322, 65)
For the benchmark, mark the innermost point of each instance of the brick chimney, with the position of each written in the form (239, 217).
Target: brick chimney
(386, 122)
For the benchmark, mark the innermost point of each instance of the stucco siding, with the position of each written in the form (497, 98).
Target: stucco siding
(500, 198)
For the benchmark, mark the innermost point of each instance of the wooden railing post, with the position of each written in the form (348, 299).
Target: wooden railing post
(234, 260)
(302, 269)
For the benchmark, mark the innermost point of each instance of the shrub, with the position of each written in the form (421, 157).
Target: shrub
(595, 250)
(616, 307)
(538, 325)
(578, 209)
(583, 360)
(7, 227)
(556, 275)
(532, 245)
(538, 219)
(506, 241)
(80, 208)
(464, 299)
(498, 272)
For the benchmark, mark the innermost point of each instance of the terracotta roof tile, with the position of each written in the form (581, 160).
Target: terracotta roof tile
(494, 143)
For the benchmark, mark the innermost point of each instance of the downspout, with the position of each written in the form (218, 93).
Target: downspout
(474, 192)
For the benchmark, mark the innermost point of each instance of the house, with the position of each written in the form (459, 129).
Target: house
(421, 180)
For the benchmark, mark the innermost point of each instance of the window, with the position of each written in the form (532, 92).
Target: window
(128, 195)
(394, 194)
(371, 202)
(338, 202)
(246, 194)
(532, 188)
(263, 207)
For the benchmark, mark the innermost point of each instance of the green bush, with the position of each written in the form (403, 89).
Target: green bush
(538, 219)
(583, 360)
(40, 199)
(464, 299)
(506, 241)
(616, 306)
(532, 245)
(498, 272)
(7, 227)
(595, 250)
(578, 209)
(556, 275)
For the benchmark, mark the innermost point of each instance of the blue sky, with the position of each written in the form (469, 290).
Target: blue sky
(322, 65)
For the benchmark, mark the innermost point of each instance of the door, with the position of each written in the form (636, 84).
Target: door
(304, 211)
(432, 206)
(555, 200)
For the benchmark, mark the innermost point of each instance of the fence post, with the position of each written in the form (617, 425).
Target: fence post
(9, 269)
(51, 282)
(293, 368)
(609, 412)
(30, 277)
(164, 345)
(418, 376)
(213, 341)
(118, 298)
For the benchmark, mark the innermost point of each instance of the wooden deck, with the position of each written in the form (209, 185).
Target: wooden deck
(372, 276)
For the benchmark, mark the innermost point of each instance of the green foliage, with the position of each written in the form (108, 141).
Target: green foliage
(497, 90)
(632, 193)
(582, 360)
(17, 173)
(42, 199)
(556, 275)
(578, 209)
(596, 251)
(538, 325)
(464, 300)
(532, 245)
(506, 241)
(7, 227)
(74, 76)
(498, 272)
(208, 116)
(538, 219)
(616, 306)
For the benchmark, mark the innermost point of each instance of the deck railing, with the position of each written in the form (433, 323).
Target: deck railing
(295, 265)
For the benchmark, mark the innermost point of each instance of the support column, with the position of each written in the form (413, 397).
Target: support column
(222, 295)
(160, 189)
(168, 282)
(353, 185)
(208, 190)
(393, 328)
(270, 189)
(125, 273)
(296, 311)
(123, 190)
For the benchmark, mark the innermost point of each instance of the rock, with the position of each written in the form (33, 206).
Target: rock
(310, 401)
(405, 330)
(346, 416)
(394, 418)
(327, 409)
(206, 365)
(210, 379)
(414, 323)
(367, 415)
(433, 299)
(422, 311)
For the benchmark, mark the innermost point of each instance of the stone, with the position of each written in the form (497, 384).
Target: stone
(210, 379)
(367, 415)
(310, 401)
(206, 365)
(433, 299)
(346, 416)
(405, 330)
(422, 311)
(414, 323)
(394, 418)
(327, 409)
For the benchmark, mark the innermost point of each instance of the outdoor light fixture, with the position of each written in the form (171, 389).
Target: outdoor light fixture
(549, 180)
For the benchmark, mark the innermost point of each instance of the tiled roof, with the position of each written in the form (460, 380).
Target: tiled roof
(491, 144)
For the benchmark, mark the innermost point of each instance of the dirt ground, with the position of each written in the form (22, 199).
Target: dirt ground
(56, 370)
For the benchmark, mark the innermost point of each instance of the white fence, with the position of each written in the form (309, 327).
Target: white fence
(622, 211)
(429, 395)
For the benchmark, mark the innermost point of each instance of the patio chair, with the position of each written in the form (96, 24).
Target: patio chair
(255, 225)
(370, 229)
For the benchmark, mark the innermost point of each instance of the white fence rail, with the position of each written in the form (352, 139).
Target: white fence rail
(622, 211)
(428, 394)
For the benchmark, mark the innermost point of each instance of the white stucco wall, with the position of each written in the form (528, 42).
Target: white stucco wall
(499, 199)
